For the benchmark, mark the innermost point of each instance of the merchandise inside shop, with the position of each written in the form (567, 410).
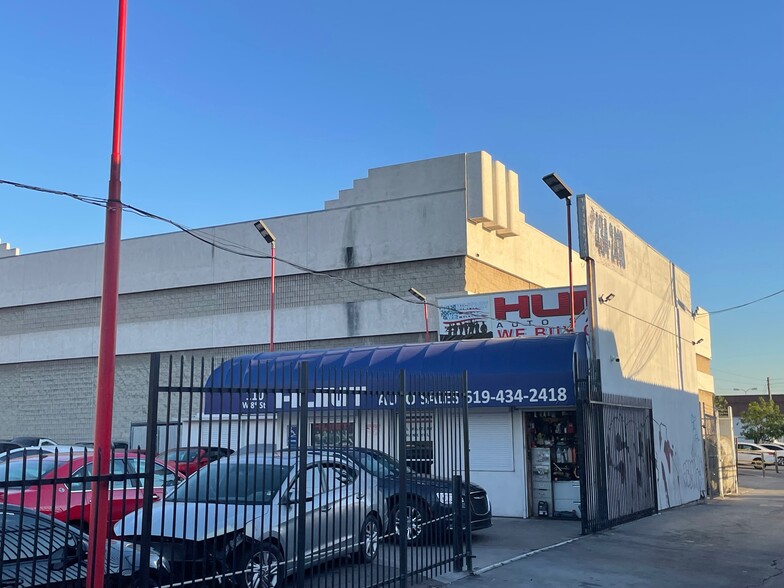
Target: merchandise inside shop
(551, 442)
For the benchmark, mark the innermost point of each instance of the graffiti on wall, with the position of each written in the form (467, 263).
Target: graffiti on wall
(626, 448)
(680, 470)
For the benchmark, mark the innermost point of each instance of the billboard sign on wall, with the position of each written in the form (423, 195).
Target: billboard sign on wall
(522, 313)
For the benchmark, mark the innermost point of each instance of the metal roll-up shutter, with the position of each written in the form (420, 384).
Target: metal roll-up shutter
(491, 441)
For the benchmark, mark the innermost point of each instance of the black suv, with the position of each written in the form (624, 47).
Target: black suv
(429, 497)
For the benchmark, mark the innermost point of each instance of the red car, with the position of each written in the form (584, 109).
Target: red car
(58, 485)
(187, 460)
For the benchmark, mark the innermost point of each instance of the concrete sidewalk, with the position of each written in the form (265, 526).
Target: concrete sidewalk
(732, 542)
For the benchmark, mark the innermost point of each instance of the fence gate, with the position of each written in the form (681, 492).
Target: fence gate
(710, 444)
(299, 475)
(616, 455)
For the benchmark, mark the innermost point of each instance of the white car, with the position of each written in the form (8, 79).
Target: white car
(63, 450)
(777, 448)
(755, 455)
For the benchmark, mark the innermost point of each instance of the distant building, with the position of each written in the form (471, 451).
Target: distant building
(739, 403)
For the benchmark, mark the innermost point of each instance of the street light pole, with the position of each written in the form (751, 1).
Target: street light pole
(269, 238)
(563, 192)
(744, 390)
(418, 295)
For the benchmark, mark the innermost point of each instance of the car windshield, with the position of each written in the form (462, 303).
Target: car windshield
(378, 464)
(29, 467)
(226, 483)
(182, 455)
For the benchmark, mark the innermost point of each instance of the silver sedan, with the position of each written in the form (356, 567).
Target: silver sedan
(239, 517)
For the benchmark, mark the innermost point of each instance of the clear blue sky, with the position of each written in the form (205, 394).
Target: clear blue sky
(669, 114)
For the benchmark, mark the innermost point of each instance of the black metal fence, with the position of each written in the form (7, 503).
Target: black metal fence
(616, 454)
(315, 489)
(47, 499)
(274, 475)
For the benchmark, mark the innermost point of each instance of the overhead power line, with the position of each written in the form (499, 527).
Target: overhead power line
(244, 251)
(239, 249)
(714, 312)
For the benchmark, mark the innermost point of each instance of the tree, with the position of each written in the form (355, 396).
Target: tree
(720, 404)
(762, 420)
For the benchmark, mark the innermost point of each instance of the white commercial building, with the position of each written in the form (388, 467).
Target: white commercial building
(449, 227)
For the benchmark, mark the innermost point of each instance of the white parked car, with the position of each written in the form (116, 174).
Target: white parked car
(63, 450)
(777, 448)
(755, 455)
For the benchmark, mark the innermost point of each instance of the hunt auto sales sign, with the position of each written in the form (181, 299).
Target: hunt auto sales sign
(359, 398)
(523, 313)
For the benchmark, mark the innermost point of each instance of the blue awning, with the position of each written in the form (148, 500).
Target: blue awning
(530, 372)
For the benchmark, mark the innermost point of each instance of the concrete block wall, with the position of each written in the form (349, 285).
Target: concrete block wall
(176, 318)
(50, 399)
(482, 278)
(56, 398)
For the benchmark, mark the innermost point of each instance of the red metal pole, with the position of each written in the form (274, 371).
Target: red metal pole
(569, 244)
(427, 328)
(99, 515)
(272, 297)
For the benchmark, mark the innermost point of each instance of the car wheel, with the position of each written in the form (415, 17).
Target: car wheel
(780, 460)
(417, 519)
(369, 538)
(260, 566)
(757, 463)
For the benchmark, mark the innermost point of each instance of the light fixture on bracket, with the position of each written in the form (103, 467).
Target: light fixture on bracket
(697, 342)
(615, 358)
(422, 298)
(606, 299)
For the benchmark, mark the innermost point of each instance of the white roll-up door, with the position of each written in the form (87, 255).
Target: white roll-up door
(491, 441)
(215, 435)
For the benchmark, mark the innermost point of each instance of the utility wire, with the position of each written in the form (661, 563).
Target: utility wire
(740, 305)
(237, 249)
(607, 304)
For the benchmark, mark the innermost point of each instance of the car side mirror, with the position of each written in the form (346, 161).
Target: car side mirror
(67, 556)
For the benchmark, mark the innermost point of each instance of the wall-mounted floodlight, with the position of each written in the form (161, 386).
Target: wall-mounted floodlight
(606, 299)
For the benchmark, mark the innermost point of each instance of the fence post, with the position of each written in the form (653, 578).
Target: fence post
(302, 456)
(457, 524)
(149, 467)
(653, 465)
(583, 459)
(467, 473)
(402, 505)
